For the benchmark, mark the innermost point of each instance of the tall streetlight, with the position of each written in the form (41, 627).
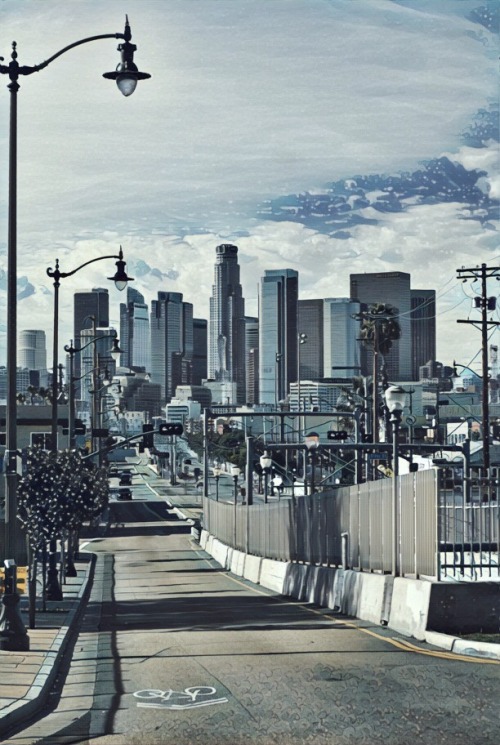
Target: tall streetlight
(266, 463)
(126, 76)
(311, 441)
(217, 474)
(120, 279)
(395, 399)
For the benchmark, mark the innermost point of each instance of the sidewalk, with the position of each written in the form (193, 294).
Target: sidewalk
(27, 677)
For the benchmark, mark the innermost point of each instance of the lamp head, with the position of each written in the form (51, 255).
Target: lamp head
(395, 398)
(311, 440)
(121, 278)
(115, 350)
(265, 461)
(126, 74)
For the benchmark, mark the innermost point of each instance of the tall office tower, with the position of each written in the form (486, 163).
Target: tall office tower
(392, 288)
(171, 342)
(134, 331)
(341, 333)
(423, 328)
(87, 304)
(95, 355)
(311, 351)
(278, 328)
(200, 343)
(33, 353)
(251, 360)
(226, 331)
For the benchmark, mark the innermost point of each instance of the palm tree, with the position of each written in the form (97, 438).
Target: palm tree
(378, 330)
(32, 390)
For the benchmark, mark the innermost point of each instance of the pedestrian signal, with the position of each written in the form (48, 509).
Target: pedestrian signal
(169, 428)
(333, 434)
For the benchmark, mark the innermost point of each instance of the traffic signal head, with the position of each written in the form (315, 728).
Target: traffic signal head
(169, 428)
(333, 434)
(148, 436)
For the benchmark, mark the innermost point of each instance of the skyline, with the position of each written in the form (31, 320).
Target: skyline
(249, 104)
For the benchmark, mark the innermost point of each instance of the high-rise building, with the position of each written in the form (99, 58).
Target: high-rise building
(135, 340)
(423, 323)
(311, 351)
(251, 360)
(278, 328)
(200, 343)
(96, 345)
(88, 305)
(226, 340)
(392, 288)
(171, 342)
(32, 350)
(341, 334)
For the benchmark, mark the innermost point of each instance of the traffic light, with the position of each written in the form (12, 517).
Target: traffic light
(333, 434)
(148, 436)
(169, 428)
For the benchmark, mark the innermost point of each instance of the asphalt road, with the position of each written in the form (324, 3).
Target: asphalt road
(175, 651)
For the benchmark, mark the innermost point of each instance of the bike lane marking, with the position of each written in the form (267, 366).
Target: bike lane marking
(167, 699)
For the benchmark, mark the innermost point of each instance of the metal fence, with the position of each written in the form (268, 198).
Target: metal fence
(442, 532)
(348, 526)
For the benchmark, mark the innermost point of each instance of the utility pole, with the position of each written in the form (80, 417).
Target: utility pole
(486, 304)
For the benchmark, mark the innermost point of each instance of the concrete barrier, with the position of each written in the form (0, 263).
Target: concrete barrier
(311, 584)
(203, 539)
(410, 607)
(251, 568)
(375, 598)
(219, 552)
(273, 574)
(236, 563)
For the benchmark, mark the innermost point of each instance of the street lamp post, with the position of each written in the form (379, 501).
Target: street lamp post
(265, 464)
(71, 351)
(395, 399)
(217, 473)
(235, 473)
(126, 76)
(120, 279)
(311, 441)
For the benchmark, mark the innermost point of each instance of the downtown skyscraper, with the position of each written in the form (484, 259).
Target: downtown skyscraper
(278, 329)
(134, 332)
(171, 342)
(226, 331)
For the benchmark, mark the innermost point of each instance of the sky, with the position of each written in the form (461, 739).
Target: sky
(250, 103)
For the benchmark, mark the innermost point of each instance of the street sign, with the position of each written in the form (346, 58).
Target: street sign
(377, 456)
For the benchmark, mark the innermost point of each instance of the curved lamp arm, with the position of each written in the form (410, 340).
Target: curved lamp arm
(126, 73)
(119, 278)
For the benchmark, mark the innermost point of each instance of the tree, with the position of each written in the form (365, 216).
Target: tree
(57, 494)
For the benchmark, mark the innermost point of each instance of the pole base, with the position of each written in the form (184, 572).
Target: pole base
(13, 635)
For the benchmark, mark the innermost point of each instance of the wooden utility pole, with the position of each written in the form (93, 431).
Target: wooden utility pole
(486, 304)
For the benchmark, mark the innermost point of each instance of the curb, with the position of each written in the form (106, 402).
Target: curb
(463, 646)
(19, 711)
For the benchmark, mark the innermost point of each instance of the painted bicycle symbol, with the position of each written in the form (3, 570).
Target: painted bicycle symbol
(190, 698)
